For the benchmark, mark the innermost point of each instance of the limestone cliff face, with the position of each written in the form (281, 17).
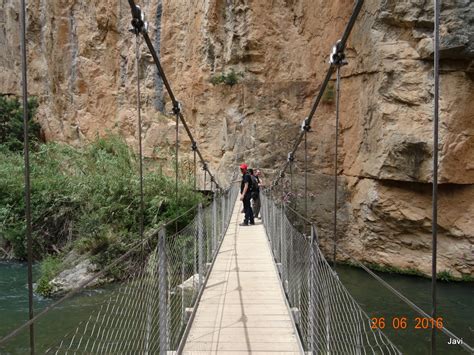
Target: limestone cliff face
(82, 68)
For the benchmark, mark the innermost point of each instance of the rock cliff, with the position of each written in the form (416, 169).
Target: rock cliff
(82, 68)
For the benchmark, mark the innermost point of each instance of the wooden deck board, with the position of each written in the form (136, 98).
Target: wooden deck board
(243, 309)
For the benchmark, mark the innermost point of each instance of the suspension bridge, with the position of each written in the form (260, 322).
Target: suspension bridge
(217, 287)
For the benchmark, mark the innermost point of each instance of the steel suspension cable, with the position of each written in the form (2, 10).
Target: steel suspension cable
(138, 23)
(177, 167)
(338, 82)
(291, 178)
(434, 227)
(194, 162)
(26, 148)
(140, 148)
(305, 175)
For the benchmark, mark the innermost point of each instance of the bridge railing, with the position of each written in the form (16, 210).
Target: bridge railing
(148, 312)
(328, 319)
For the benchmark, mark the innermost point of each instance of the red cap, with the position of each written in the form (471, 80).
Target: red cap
(243, 166)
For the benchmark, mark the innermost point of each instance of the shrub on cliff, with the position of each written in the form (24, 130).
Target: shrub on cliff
(328, 94)
(231, 78)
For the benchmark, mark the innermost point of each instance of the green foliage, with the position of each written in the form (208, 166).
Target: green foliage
(390, 269)
(328, 94)
(395, 270)
(445, 276)
(11, 124)
(231, 78)
(50, 267)
(467, 278)
(85, 199)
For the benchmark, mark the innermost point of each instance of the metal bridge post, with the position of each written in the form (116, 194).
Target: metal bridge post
(223, 214)
(229, 207)
(163, 292)
(313, 290)
(214, 225)
(200, 246)
(275, 230)
(327, 319)
(291, 269)
(284, 259)
(183, 273)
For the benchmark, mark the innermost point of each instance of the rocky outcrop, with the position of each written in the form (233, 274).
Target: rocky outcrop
(82, 68)
(71, 278)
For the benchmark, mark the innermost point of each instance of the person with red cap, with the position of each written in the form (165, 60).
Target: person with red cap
(245, 195)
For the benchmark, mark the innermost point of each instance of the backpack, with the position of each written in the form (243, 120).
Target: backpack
(254, 188)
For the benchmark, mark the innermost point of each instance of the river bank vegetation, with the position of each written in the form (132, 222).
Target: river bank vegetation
(84, 200)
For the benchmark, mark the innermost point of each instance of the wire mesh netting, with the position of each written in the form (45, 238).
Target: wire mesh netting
(328, 319)
(149, 312)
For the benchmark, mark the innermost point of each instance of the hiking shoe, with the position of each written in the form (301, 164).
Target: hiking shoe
(252, 223)
(243, 224)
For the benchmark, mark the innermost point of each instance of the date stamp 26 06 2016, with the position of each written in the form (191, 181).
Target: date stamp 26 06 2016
(406, 323)
(403, 322)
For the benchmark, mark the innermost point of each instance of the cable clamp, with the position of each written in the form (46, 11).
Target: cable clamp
(305, 127)
(194, 146)
(138, 21)
(291, 157)
(204, 166)
(337, 56)
(177, 108)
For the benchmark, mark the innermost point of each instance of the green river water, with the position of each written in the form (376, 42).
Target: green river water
(456, 306)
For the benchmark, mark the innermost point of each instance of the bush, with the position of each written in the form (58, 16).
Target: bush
(50, 267)
(85, 199)
(445, 276)
(11, 123)
(230, 78)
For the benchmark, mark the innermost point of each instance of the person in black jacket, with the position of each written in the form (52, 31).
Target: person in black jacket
(255, 194)
(245, 195)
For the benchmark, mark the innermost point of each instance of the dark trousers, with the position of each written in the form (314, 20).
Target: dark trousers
(256, 206)
(248, 211)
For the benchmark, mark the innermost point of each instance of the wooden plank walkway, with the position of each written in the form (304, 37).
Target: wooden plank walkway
(243, 309)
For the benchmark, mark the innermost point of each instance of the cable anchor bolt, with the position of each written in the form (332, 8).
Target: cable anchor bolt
(138, 21)
(291, 157)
